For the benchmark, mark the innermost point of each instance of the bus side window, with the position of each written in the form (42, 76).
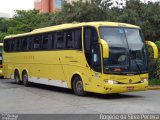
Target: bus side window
(7, 45)
(18, 44)
(24, 44)
(69, 39)
(45, 41)
(52, 40)
(92, 48)
(60, 42)
(12, 45)
(87, 44)
(29, 43)
(77, 38)
(36, 43)
(73, 38)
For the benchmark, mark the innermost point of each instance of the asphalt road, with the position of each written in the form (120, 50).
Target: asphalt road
(38, 99)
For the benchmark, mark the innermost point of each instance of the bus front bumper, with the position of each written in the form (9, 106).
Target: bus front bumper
(120, 88)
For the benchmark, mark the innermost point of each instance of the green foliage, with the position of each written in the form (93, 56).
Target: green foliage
(156, 68)
(154, 65)
(3, 25)
(3, 28)
(154, 81)
(2, 35)
(80, 12)
(144, 15)
(24, 21)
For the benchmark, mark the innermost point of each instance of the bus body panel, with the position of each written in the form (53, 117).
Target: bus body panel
(70, 63)
(57, 67)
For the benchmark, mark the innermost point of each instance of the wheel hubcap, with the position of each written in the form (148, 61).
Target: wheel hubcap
(17, 79)
(25, 78)
(79, 86)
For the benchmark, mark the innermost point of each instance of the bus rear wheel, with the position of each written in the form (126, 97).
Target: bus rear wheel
(17, 77)
(78, 86)
(25, 78)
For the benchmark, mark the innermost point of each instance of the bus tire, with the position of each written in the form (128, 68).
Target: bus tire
(25, 78)
(17, 77)
(78, 86)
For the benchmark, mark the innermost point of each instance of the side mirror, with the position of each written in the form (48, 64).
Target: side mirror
(105, 48)
(154, 47)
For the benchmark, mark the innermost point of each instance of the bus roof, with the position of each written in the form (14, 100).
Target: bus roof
(73, 25)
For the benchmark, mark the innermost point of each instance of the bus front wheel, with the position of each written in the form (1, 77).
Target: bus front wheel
(78, 86)
(25, 78)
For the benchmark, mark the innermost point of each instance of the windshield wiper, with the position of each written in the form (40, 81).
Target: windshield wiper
(139, 69)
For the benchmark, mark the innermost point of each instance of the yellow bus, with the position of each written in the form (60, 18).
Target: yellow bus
(99, 57)
(1, 66)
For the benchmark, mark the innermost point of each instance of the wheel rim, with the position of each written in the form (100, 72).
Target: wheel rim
(16, 78)
(25, 78)
(79, 86)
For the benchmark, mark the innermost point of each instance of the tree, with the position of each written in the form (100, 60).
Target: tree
(147, 16)
(3, 25)
(24, 21)
(81, 12)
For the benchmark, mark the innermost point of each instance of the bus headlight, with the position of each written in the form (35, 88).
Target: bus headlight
(111, 82)
(144, 80)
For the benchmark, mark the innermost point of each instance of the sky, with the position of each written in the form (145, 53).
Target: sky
(9, 6)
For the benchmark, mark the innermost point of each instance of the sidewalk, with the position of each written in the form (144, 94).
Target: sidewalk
(156, 87)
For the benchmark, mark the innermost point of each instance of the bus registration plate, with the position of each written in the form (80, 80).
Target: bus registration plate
(130, 88)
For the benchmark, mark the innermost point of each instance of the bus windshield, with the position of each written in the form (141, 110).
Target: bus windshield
(127, 51)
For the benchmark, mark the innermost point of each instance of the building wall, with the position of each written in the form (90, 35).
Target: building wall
(45, 6)
(51, 6)
(37, 4)
(42, 5)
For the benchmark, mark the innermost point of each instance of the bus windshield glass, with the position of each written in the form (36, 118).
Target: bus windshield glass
(127, 51)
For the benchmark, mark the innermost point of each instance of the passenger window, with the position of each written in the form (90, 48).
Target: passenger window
(12, 46)
(18, 44)
(37, 43)
(73, 38)
(29, 43)
(92, 48)
(69, 39)
(52, 37)
(77, 38)
(24, 44)
(7, 45)
(60, 40)
(90, 37)
(45, 42)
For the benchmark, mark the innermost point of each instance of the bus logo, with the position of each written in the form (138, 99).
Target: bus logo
(130, 81)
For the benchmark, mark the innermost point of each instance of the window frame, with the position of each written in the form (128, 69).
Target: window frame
(52, 41)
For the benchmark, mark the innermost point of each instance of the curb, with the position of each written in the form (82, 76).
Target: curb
(154, 88)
